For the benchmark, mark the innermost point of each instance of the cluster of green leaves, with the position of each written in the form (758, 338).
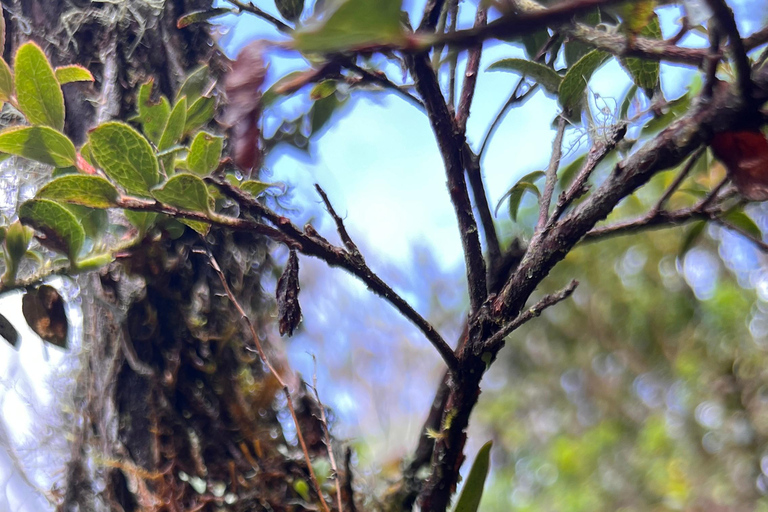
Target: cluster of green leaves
(163, 165)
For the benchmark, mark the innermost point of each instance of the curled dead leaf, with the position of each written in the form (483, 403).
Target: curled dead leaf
(288, 307)
(43, 309)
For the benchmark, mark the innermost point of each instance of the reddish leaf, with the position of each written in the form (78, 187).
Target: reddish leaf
(288, 308)
(745, 156)
(243, 87)
(43, 310)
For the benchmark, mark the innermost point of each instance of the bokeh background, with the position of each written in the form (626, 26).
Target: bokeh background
(648, 390)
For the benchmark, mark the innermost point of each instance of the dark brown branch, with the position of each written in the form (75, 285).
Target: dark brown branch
(347, 491)
(480, 197)
(678, 179)
(451, 144)
(724, 16)
(597, 153)
(383, 81)
(310, 243)
(661, 219)
(470, 73)
(250, 8)
(343, 234)
(758, 242)
(551, 177)
(496, 342)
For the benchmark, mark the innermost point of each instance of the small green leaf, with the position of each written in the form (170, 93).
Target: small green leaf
(322, 90)
(544, 75)
(276, 90)
(59, 225)
(255, 188)
(152, 116)
(627, 101)
(195, 84)
(574, 84)
(575, 50)
(143, 221)
(17, 240)
(290, 9)
(691, 235)
(472, 493)
(322, 111)
(201, 16)
(568, 172)
(744, 222)
(637, 15)
(354, 24)
(73, 73)
(204, 153)
(39, 143)
(185, 191)
(174, 129)
(516, 193)
(82, 189)
(6, 81)
(37, 90)
(94, 221)
(645, 73)
(199, 114)
(125, 156)
(535, 42)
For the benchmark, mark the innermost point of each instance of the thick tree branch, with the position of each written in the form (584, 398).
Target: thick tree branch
(724, 16)
(451, 143)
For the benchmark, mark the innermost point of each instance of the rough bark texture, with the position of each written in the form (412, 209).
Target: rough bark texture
(175, 413)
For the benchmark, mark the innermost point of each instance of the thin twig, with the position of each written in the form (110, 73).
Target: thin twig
(496, 342)
(249, 7)
(453, 56)
(724, 16)
(348, 491)
(343, 234)
(480, 197)
(596, 154)
(383, 81)
(470, 73)
(513, 98)
(551, 177)
(327, 432)
(263, 356)
(678, 179)
(758, 242)
(312, 244)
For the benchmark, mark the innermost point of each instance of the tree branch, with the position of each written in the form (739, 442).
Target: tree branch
(250, 8)
(724, 16)
(551, 177)
(451, 143)
(470, 73)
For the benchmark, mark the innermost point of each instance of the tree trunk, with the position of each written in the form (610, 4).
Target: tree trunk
(175, 414)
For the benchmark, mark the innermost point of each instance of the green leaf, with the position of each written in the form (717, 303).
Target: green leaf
(290, 9)
(199, 114)
(143, 221)
(571, 91)
(185, 191)
(469, 499)
(82, 189)
(125, 156)
(645, 73)
(568, 172)
(37, 90)
(255, 188)
(575, 50)
(174, 129)
(274, 92)
(201, 16)
(637, 15)
(58, 224)
(6, 81)
(322, 90)
(627, 101)
(544, 75)
(94, 221)
(691, 235)
(355, 24)
(17, 240)
(744, 222)
(195, 84)
(73, 73)
(322, 110)
(39, 143)
(204, 153)
(515, 194)
(152, 116)
(535, 42)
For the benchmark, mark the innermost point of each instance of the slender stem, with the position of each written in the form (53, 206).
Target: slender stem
(328, 444)
(265, 361)
(679, 179)
(551, 177)
(249, 7)
(724, 16)
(470, 74)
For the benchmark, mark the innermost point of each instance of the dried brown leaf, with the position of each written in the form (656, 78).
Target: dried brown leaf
(288, 308)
